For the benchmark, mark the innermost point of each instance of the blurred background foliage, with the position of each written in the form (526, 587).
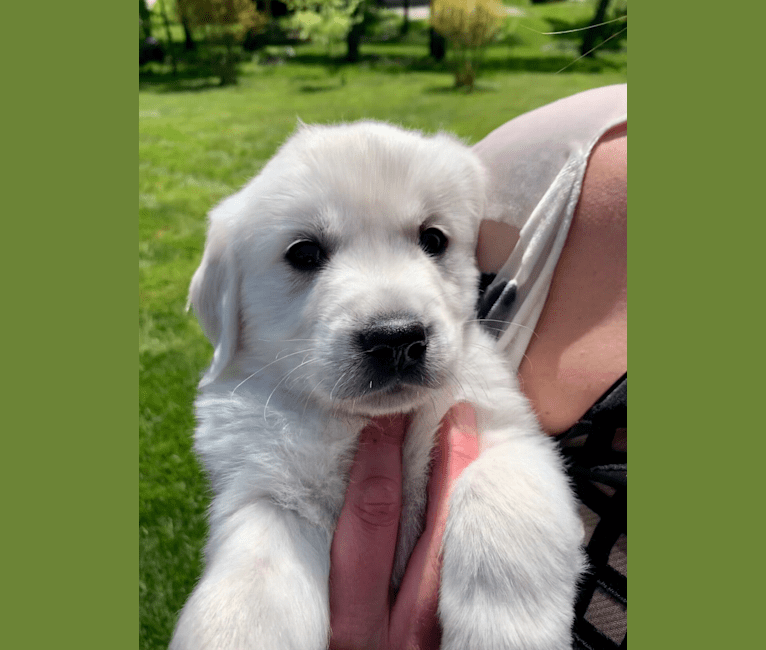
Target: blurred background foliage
(214, 38)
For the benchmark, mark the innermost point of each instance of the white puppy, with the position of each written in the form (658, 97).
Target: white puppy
(340, 284)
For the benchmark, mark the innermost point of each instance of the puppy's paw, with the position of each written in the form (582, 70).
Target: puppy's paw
(232, 615)
(263, 587)
(488, 624)
(512, 556)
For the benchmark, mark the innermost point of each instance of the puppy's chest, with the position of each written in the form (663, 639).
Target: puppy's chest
(301, 460)
(318, 491)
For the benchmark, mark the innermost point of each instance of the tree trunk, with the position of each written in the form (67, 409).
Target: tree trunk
(146, 18)
(593, 33)
(437, 45)
(406, 21)
(354, 39)
(189, 44)
(171, 49)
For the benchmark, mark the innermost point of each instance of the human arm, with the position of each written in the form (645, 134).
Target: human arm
(580, 344)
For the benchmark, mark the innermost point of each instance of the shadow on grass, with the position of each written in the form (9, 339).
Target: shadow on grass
(192, 76)
(319, 88)
(186, 79)
(564, 63)
(513, 62)
(479, 88)
(195, 71)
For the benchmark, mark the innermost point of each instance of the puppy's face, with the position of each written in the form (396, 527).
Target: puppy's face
(345, 271)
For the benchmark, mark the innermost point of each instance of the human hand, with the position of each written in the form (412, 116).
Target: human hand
(362, 614)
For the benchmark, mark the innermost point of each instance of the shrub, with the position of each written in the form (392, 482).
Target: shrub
(469, 26)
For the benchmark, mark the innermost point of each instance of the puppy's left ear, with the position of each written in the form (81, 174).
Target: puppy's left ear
(214, 295)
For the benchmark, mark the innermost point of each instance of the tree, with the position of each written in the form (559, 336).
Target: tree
(597, 32)
(171, 49)
(226, 22)
(144, 19)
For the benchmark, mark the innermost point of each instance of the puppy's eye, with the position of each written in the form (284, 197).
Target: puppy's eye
(433, 241)
(306, 255)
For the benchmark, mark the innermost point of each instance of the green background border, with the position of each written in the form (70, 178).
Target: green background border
(69, 262)
(695, 246)
(69, 458)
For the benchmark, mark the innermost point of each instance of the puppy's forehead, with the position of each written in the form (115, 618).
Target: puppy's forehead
(368, 168)
(379, 152)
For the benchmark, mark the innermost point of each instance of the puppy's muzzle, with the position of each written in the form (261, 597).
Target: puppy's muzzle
(395, 350)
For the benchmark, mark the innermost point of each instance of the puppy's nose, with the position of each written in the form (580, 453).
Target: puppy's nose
(395, 344)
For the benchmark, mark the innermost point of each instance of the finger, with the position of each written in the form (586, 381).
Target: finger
(362, 553)
(458, 435)
(414, 615)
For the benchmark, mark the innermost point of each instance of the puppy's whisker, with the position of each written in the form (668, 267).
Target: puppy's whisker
(281, 381)
(519, 377)
(479, 346)
(336, 384)
(284, 340)
(493, 350)
(455, 380)
(478, 380)
(307, 399)
(438, 296)
(503, 323)
(499, 330)
(432, 400)
(262, 368)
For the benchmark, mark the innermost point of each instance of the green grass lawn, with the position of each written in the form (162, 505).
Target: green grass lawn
(198, 143)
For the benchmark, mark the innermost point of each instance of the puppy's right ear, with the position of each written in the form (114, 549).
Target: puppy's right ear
(214, 295)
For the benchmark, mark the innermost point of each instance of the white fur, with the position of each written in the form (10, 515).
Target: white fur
(280, 408)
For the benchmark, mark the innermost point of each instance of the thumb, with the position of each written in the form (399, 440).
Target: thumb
(362, 552)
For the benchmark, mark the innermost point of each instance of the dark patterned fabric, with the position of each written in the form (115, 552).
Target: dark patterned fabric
(597, 462)
(596, 451)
